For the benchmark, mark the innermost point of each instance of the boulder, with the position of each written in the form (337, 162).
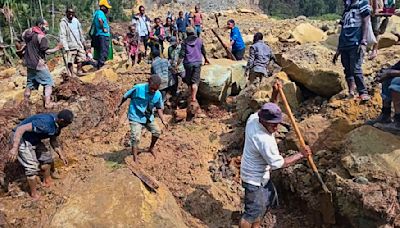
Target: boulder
(218, 79)
(387, 40)
(311, 66)
(253, 97)
(306, 33)
(370, 152)
(118, 199)
(320, 133)
(393, 25)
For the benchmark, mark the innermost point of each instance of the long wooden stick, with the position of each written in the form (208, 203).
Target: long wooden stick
(301, 140)
(145, 178)
(229, 53)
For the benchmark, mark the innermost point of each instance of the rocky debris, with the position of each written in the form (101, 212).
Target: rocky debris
(306, 33)
(311, 66)
(100, 203)
(254, 96)
(6, 73)
(367, 154)
(221, 78)
(320, 133)
(387, 40)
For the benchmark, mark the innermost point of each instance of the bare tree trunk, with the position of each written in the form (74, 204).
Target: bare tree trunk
(1, 35)
(40, 7)
(11, 32)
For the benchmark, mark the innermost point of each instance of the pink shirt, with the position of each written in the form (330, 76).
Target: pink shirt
(198, 18)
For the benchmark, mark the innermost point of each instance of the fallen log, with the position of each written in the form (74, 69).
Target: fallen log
(148, 180)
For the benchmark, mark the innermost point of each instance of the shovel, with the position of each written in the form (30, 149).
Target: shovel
(326, 204)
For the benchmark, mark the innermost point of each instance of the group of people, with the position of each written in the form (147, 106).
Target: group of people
(186, 55)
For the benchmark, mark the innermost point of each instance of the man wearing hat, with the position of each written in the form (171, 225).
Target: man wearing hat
(102, 32)
(260, 156)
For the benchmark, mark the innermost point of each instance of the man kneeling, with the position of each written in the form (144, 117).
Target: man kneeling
(32, 153)
(260, 155)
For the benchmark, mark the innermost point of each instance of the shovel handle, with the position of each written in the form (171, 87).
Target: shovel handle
(296, 129)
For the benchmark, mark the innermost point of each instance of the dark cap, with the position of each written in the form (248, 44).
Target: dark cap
(270, 113)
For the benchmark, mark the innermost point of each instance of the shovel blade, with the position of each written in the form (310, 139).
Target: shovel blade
(327, 208)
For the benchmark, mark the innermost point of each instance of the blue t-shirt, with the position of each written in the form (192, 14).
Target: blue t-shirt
(99, 31)
(181, 23)
(43, 126)
(237, 37)
(351, 34)
(143, 102)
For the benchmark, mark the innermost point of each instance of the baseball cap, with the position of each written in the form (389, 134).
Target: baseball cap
(270, 113)
(105, 3)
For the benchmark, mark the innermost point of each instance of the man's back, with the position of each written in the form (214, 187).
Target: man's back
(43, 126)
(36, 46)
(260, 55)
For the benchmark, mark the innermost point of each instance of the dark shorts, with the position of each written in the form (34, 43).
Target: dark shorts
(239, 54)
(192, 75)
(257, 200)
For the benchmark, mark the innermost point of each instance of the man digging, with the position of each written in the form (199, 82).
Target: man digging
(145, 98)
(260, 156)
(30, 150)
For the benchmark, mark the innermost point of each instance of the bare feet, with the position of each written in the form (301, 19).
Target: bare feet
(153, 152)
(47, 182)
(35, 196)
(373, 55)
(49, 105)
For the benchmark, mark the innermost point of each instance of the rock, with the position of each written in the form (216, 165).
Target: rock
(8, 72)
(88, 68)
(372, 152)
(311, 65)
(248, 39)
(320, 133)
(98, 203)
(218, 78)
(100, 75)
(306, 33)
(361, 180)
(393, 25)
(252, 97)
(387, 40)
(242, 10)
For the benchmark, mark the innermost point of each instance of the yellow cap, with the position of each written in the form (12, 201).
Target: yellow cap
(105, 3)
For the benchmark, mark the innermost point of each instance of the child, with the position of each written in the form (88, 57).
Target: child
(198, 20)
(169, 28)
(131, 42)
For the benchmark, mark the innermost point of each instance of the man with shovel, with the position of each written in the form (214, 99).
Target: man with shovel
(260, 156)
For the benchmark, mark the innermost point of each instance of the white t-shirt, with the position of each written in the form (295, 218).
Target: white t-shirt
(260, 153)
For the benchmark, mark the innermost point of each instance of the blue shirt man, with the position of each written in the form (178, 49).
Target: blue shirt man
(43, 126)
(101, 30)
(144, 99)
(237, 43)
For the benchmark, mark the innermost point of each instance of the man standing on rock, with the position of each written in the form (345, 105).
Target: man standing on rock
(192, 53)
(30, 150)
(260, 156)
(352, 45)
(259, 58)
(142, 22)
(37, 46)
(390, 79)
(237, 44)
(71, 36)
(102, 32)
(144, 99)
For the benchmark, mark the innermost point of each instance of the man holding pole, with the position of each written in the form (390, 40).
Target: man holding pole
(260, 156)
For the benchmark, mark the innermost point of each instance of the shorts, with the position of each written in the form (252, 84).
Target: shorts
(76, 56)
(136, 131)
(239, 54)
(379, 27)
(257, 200)
(182, 36)
(39, 77)
(31, 157)
(192, 74)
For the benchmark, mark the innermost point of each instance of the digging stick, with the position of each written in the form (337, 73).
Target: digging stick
(228, 52)
(326, 204)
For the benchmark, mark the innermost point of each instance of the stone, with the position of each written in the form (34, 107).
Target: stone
(361, 180)
(98, 203)
(320, 133)
(221, 77)
(311, 66)
(248, 39)
(372, 152)
(243, 10)
(387, 40)
(8, 72)
(252, 97)
(306, 33)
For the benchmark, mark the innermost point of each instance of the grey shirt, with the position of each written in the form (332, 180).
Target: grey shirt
(260, 56)
(71, 35)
